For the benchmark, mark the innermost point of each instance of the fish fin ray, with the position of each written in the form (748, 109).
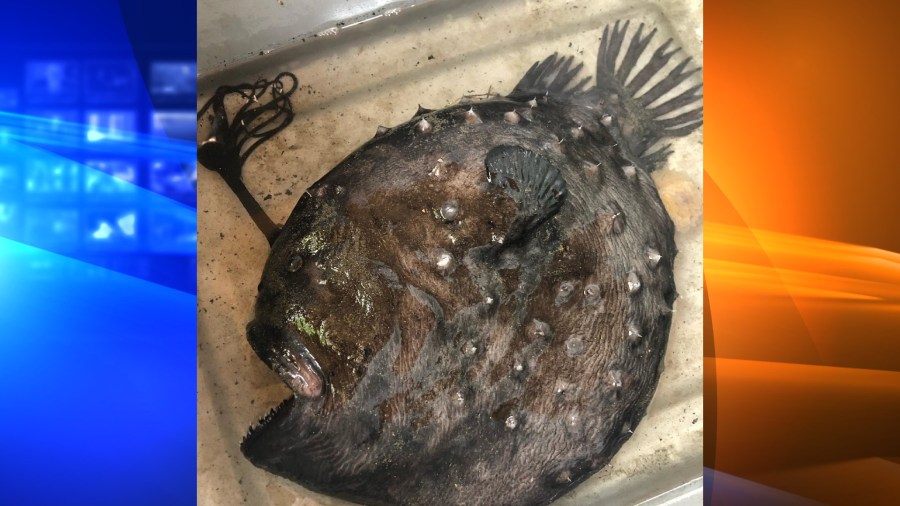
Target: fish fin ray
(531, 180)
(555, 75)
(645, 111)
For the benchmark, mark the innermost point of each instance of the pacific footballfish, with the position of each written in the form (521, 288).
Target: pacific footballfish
(473, 307)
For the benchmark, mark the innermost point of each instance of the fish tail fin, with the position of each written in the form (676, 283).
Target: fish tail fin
(554, 75)
(645, 105)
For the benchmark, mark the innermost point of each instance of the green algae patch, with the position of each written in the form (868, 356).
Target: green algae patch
(307, 328)
(304, 326)
(313, 243)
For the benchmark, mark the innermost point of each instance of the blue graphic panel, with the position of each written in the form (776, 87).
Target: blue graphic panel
(98, 253)
(111, 81)
(97, 378)
(129, 214)
(52, 81)
(173, 79)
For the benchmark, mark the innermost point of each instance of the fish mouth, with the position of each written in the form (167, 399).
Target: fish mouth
(273, 417)
(264, 438)
(283, 351)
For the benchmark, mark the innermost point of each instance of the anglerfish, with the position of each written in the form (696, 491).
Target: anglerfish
(473, 307)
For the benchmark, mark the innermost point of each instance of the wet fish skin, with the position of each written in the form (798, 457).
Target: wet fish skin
(472, 308)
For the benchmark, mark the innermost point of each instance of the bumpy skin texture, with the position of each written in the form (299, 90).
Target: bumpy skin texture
(472, 308)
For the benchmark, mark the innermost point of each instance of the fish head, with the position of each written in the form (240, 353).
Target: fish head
(323, 310)
(320, 309)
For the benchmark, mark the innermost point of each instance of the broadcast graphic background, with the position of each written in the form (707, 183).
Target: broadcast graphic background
(97, 253)
(802, 368)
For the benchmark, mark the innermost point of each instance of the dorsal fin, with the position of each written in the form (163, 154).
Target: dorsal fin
(640, 126)
(554, 75)
(537, 187)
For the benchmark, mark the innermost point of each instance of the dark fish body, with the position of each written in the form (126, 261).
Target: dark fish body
(473, 307)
